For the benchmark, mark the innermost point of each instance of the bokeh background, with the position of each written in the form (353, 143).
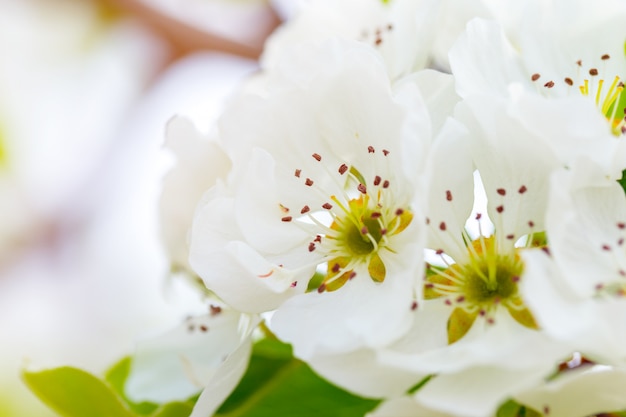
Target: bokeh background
(86, 88)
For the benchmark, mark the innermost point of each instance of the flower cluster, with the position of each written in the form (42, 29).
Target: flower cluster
(414, 191)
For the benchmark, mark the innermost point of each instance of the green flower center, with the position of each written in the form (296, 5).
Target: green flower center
(479, 287)
(484, 285)
(358, 243)
(365, 218)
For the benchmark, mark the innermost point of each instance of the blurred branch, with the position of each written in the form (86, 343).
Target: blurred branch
(184, 38)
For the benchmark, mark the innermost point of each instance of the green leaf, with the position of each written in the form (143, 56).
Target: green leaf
(72, 392)
(509, 409)
(278, 385)
(174, 409)
(116, 376)
(419, 385)
(622, 181)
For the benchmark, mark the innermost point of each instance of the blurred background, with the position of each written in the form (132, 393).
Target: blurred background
(86, 88)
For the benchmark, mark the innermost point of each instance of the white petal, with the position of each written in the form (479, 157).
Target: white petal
(231, 268)
(361, 373)
(437, 90)
(579, 394)
(513, 164)
(484, 61)
(178, 364)
(560, 312)
(404, 407)
(258, 211)
(224, 381)
(584, 232)
(361, 313)
(506, 344)
(451, 190)
(199, 163)
(572, 126)
(477, 392)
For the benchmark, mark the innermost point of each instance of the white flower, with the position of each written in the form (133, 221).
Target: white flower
(474, 325)
(578, 289)
(326, 178)
(209, 353)
(566, 85)
(402, 31)
(472, 292)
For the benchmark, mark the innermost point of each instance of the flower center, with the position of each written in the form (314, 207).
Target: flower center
(592, 82)
(365, 219)
(360, 237)
(485, 283)
(478, 287)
